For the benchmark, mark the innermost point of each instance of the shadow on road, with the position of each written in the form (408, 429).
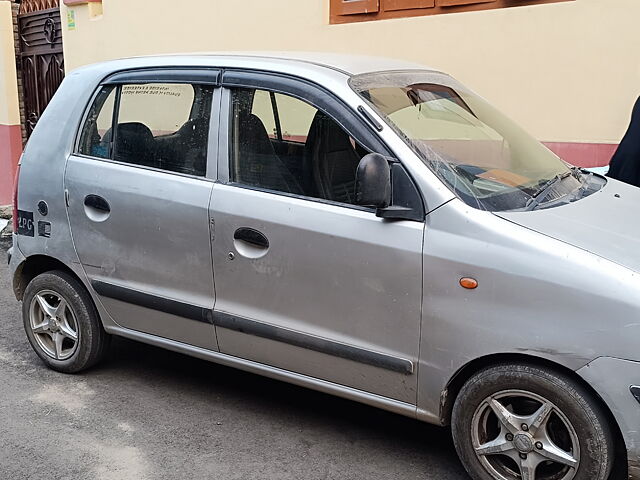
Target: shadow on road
(249, 391)
(154, 411)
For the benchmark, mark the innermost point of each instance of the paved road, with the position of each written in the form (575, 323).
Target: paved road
(146, 413)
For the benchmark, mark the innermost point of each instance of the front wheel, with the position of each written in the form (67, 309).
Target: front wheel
(523, 422)
(62, 324)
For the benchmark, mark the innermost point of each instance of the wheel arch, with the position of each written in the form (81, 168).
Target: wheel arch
(453, 387)
(33, 266)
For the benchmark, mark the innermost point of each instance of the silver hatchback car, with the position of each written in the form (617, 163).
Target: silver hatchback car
(363, 227)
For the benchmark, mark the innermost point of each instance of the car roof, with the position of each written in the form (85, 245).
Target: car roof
(278, 61)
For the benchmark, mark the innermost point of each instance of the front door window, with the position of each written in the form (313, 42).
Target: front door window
(284, 144)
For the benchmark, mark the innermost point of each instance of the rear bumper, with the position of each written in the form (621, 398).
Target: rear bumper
(15, 258)
(15, 255)
(612, 379)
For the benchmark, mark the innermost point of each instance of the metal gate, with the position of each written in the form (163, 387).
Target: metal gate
(42, 61)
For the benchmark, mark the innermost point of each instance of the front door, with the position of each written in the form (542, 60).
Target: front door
(138, 206)
(307, 281)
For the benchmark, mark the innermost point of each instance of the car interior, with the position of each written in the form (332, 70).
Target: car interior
(321, 164)
(182, 151)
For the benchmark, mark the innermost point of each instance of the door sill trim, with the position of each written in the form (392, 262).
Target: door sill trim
(324, 386)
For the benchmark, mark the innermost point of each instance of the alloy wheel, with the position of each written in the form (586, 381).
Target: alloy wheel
(53, 324)
(519, 435)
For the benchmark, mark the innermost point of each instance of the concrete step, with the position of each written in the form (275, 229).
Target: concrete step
(6, 211)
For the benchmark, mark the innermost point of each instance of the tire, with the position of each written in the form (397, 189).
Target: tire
(50, 324)
(572, 440)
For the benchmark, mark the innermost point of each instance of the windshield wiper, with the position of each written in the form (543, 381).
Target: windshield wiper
(544, 191)
(577, 172)
(583, 187)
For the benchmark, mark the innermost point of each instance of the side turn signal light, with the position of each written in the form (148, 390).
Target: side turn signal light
(468, 283)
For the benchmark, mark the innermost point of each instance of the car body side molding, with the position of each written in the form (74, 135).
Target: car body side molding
(135, 297)
(253, 327)
(311, 342)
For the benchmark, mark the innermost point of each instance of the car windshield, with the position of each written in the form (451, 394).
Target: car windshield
(485, 158)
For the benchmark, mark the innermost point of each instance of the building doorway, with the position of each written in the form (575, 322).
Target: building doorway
(41, 56)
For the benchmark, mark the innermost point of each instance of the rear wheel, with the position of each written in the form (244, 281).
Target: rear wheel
(62, 324)
(523, 422)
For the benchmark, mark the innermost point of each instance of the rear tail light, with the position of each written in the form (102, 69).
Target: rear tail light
(15, 200)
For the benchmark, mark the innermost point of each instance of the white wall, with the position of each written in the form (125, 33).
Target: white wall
(569, 72)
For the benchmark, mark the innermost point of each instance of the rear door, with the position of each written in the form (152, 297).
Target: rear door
(307, 281)
(138, 197)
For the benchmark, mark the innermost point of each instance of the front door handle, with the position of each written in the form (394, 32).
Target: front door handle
(97, 202)
(252, 237)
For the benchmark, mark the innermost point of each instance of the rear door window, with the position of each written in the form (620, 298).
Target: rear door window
(164, 126)
(162, 108)
(93, 140)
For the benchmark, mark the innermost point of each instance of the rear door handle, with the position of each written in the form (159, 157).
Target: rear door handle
(252, 237)
(97, 202)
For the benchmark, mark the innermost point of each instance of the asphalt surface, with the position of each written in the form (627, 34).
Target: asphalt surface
(146, 413)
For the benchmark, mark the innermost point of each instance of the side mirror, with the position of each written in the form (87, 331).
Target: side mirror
(373, 181)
